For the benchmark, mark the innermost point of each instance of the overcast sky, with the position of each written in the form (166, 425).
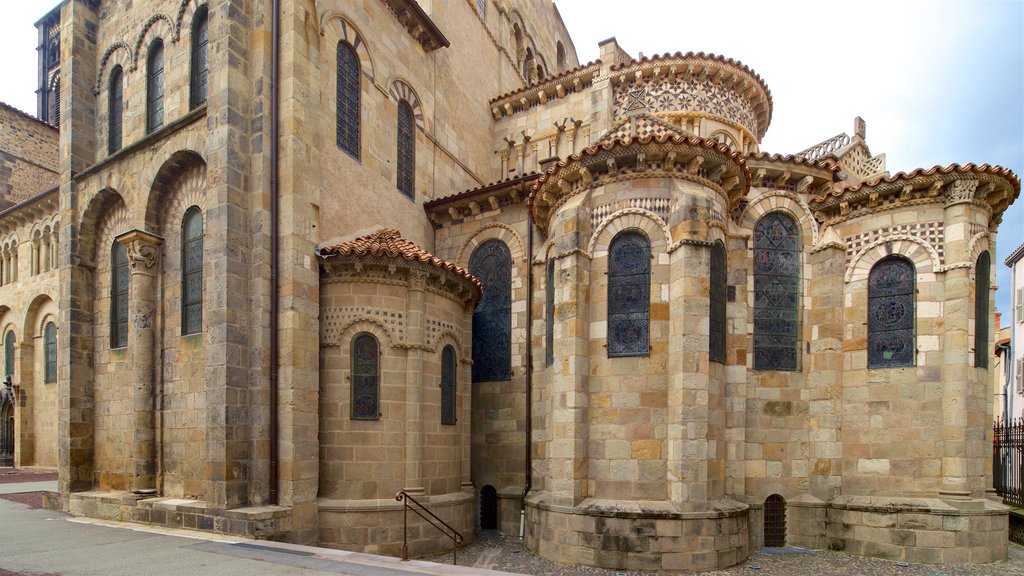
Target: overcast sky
(938, 82)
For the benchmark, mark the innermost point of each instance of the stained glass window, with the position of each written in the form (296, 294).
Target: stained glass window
(9, 354)
(116, 110)
(629, 295)
(192, 271)
(448, 385)
(50, 353)
(491, 263)
(348, 97)
(982, 295)
(119, 281)
(365, 377)
(406, 150)
(155, 86)
(481, 8)
(200, 56)
(549, 315)
(716, 308)
(776, 292)
(891, 313)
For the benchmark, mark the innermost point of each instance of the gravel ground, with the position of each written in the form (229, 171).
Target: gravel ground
(498, 552)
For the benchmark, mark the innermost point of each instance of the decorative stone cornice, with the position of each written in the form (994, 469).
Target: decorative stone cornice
(490, 197)
(418, 23)
(550, 88)
(704, 162)
(990, 187)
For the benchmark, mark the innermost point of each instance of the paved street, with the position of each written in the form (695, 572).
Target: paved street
(38, 542)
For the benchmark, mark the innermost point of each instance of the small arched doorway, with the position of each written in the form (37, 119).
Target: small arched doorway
(488, 508)
(6, 424)
(775, 521)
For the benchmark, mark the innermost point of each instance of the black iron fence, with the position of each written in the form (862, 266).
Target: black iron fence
(1008, 460)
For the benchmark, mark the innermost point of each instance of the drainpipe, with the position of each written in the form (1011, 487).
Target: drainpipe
(529, 370)
(275, 244)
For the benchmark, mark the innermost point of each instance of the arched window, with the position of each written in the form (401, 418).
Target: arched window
(982, 295)
(560, 55)
(716, 304)
(348, 100)
(629, 294)
(549, 315)
(9, 354)
(891, 313)
(200, 61)
(54, 100)
(448, 385)
(119, 281)
(115, 109)
(491, 263)
(155, 86)
(365, 377)
(50, 353)
(192, 271)
(406, 150)
(776, 292)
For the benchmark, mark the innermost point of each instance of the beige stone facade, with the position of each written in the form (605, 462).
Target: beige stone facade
(416, 151)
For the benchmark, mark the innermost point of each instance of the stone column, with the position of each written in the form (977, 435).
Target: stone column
(28, 381)
(956, 312)
(415, 483)
(143, 251)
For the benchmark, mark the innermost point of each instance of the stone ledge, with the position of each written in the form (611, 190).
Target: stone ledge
(390, 504)
(897, 505)
(657, 509)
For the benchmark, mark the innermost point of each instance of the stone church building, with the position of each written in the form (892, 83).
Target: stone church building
(263, 265)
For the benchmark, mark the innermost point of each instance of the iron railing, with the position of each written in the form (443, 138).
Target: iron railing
(1008, 460)
(431, 519)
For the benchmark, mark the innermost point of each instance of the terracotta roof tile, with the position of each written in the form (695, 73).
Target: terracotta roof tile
(389, 243)
(792, 159)
(902, 176)
(545, 80)
(472, 191)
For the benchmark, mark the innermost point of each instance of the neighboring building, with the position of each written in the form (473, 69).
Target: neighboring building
(447, 238)
(1002, 370)
(1014, 407)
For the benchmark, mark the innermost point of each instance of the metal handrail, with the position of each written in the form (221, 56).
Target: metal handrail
(444, 528)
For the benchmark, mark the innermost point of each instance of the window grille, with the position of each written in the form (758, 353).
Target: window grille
(192, 271)
(891, 313)
(119, 282)
(50, 353)
(481, 8)
(716, 304)
(200, 57)
(491, 263)
(348, 97)
(629, 295)
(365, 377)
(448, 375)
(776, 292)
(155, 87)
(115, 116)
(982, 295)
(406, 150)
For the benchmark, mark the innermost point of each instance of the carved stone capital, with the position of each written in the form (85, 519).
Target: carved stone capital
(143, 250)
(960, 191)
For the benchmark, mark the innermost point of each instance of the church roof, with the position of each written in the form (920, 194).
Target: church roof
(1005, 173)
(389, 243)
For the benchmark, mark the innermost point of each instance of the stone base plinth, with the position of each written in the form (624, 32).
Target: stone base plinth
(375, 526)
(260, 522)
(918, 529)
(641, 536)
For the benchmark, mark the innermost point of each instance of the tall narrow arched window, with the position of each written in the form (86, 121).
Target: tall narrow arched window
(50, 353)
(448, 375)
(348, 98)
(192, 271)
(776, 292)
(365, 377)
(54, 100)
(982, 295)
(200, 61)
(491, 263)
(9, 354)
(549, 314)
(115, 110)
(119, 282)
(560, 55)
(406, 150)
(716, 304)
(891, 313)
(155, 86)
(629, 294)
